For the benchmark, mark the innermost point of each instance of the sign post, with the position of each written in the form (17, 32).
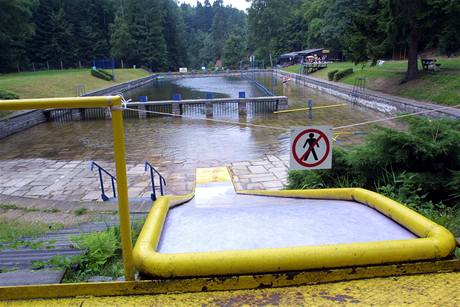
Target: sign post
(311, 148)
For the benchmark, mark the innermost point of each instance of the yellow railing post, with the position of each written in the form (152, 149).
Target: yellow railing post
(122, 188)
(114, 102)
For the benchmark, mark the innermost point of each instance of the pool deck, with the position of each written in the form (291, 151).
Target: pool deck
(418, 290)
(74, 181)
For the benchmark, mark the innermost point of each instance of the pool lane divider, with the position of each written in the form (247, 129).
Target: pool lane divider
(312, 108)
(434, 242)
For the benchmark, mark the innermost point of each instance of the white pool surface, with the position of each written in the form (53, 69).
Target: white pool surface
(218, 219)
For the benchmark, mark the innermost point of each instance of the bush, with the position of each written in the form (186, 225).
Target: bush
(343, 73)
(330, 75)
(101, 74)
(419, 167)
(423, 161)
(4, 94)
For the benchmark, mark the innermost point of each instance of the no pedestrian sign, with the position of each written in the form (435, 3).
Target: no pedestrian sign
(311, 148)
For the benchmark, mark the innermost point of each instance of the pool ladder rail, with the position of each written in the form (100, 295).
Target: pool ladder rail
(358, 86)
(101, 170)
(147, 167)
(153, 171)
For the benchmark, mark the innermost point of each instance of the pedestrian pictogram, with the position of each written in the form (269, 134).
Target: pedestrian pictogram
(311, 148)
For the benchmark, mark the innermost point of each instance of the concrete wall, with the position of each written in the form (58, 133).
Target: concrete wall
(20, 121)
(372, 99)
(122, 87)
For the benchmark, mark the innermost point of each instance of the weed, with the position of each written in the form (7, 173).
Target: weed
(38, 264)
(8, 207)
(53, 210)
(12, 231)
(102, 255)
(14, 207)
(81, 211)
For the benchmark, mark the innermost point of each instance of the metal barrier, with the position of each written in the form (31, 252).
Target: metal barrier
(264, 89)
(100, 169)
(114, 105)
(358, 86)
(149, 166)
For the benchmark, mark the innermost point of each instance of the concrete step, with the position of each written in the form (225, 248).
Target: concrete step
(30, 277)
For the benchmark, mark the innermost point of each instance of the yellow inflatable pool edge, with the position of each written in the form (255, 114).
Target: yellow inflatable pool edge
(435, 242)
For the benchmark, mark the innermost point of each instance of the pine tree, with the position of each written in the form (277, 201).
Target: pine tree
(218, 33)
(147, 32)
(15, 29)
(235, 50)
(121, 40)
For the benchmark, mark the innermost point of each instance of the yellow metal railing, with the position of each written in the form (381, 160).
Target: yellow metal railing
(114, 103)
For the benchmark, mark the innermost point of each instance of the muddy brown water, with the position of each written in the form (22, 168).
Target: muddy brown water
(183, 142)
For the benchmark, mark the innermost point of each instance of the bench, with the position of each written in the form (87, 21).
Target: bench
(430, 64)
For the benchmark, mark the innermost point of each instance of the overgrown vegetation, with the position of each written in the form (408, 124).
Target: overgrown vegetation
(102, 257)
(11, 232)
(81, 211)
(419, 167)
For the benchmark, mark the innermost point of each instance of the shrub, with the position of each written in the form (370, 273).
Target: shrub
(330, 75)
(101, 74)
(4, 94)
(343, 73)
(426, 158)
(419, 167)
(102, 257)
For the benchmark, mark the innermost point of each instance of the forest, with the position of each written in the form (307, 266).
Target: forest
(164, 35)
(158, 34)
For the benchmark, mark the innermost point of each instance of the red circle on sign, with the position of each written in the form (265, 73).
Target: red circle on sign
(321, 135)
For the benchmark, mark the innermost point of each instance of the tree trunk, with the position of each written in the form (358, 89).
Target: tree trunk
(412, 69)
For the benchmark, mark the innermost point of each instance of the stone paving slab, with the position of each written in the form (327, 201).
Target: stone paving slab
(72, 180)
(268, 173)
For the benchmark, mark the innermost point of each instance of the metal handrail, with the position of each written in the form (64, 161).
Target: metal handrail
(359, 85)
(259, 85)
(101, 181)
(149, 166)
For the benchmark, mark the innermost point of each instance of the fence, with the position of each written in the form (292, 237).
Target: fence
(220, 107)
(57, 64)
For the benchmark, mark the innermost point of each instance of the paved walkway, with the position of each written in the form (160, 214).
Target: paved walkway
(74, 181)
(269, 173)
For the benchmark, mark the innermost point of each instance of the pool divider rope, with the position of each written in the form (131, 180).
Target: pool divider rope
(288, 129)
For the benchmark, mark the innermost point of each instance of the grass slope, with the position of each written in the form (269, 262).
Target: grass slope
(61, 83)
(442, 87)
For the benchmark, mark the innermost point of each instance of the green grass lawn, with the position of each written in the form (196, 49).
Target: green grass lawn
(60, 83)
(442, 87)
